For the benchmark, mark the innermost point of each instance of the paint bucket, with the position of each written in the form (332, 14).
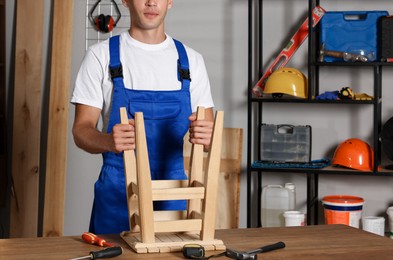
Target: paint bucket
(294, 218)
(343, 209)
(374, 225)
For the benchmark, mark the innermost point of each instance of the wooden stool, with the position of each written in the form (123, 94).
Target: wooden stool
(169, 231)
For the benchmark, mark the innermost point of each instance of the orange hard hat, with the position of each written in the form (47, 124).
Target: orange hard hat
(355, 154)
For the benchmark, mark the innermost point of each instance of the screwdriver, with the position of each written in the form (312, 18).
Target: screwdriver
(94, 239)
(106, 253)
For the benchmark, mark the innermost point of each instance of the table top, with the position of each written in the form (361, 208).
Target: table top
(310, 242)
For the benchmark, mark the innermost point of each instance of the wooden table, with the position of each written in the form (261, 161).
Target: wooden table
(310, 242)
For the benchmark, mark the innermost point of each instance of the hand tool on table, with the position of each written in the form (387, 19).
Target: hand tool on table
(194, 251)
(253, 253)
(95, 240)
(106, 253)
(285, 55)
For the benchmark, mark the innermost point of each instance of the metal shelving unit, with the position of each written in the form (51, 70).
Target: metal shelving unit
(255, 107)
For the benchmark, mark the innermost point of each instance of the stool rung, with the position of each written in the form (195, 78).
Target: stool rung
(178, 193)
(182, 225)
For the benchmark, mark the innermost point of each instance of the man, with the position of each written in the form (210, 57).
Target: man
(146, 70)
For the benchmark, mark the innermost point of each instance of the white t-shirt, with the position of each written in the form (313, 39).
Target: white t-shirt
(145, 67)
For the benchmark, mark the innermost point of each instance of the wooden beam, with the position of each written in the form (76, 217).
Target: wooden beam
(196, 167)
(228, 195)
(3, 129)
(183, 225)
(53, 222)
(144, 180)
(189, 193)
(27, 118)
(212, 173)
(130, 177)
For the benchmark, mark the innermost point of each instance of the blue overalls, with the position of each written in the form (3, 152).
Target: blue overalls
(166, 122)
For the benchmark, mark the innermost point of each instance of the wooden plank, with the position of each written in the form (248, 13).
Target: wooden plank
(3, 129)
(130, 177)
(228, 198)
(228, 201)
(56, 156)
(166, 184)
(212, 172)
(174, 241)
(162, 215)
(144, 181)
(27, 118)
(179, 194)
(196, 167)
(182, 225)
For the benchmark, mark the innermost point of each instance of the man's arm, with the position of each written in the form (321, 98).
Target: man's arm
(201, 130)
(89, 138)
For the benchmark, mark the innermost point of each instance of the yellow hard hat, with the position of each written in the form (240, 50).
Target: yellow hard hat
(288, 81)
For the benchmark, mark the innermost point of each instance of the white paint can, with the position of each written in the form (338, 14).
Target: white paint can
(374, 225)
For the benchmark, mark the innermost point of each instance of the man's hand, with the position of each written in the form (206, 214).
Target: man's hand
(201, 130)
(123, 137)
(88, 138)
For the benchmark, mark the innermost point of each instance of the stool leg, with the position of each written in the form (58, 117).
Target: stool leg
(145, 197)
(212, 172)
(196, 168)
(130, 177)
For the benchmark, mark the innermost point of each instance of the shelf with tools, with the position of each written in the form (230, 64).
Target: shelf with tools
(257, 104)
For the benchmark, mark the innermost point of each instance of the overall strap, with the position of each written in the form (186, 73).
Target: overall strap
(116, 71)
(183, 68)
(115, 66)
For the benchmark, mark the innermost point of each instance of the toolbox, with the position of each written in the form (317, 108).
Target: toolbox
(285, 143)
(386, 37)
(352, 32)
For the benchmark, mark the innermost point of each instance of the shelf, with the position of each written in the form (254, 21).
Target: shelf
(353, 64)
(313, 101)
(326, 170)
(257, 106)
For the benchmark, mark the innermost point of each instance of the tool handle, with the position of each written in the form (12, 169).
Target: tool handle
(107, 252)
(336, 54)
(268, 248)
(94, 239)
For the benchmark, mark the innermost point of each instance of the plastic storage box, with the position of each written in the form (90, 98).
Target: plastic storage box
(285, 143)
(352, 32)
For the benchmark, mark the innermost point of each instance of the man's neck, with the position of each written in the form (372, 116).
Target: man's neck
(148, 36)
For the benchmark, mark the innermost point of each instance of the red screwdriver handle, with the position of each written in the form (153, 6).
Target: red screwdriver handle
(94, 239)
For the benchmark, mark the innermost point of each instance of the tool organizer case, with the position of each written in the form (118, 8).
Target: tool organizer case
(351, 31)
(285, 143)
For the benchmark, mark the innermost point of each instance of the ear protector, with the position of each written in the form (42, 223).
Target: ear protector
(104, 23)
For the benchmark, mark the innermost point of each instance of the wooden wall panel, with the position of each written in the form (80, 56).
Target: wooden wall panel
(3, 128)
(228, 194)
(27, 118)
(53, 222)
